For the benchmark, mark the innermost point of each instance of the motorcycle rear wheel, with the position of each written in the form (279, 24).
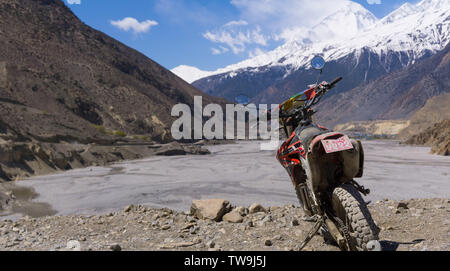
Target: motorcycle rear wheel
(349, 207)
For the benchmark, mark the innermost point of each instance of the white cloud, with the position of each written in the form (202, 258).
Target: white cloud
(130, 23)
(220, 50)
(277, 15)
(237, 40)
(237, 23)
(74, 2)
(256, 52)
(215, 51)
(371, 2)
(263, 21)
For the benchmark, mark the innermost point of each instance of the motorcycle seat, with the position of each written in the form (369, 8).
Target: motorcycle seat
(308, 133)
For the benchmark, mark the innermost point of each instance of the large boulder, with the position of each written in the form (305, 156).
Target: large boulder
(256, 208)
(6, 198)
(176, 148)
(233, 217)
(213, 209)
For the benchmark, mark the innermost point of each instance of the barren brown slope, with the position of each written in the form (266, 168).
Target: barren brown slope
(437, 136)
(61, 80)
(397, 95)
(436, 109)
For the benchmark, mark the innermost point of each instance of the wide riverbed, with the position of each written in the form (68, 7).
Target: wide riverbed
(240, 173)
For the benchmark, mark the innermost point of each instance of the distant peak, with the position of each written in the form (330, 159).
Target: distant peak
(432, 3)
(190, 74)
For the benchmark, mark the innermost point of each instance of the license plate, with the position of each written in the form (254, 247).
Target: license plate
(337, 145)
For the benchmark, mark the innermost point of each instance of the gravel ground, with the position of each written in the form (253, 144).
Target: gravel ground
(423, 225)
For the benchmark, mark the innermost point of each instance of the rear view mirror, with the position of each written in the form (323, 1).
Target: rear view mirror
(318, 62)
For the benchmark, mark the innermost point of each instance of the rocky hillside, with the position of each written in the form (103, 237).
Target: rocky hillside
(397, 95)
(437, 136)
(437, 109)
(388, 128)
(20, 160)
(415, 225)
(62, 81)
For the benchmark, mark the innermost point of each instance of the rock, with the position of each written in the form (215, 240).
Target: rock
(165, 227)
(171, 149)
(295, 223)
(402, 205)
(233, 217)
(256, 208)
(278, 237)
(128, 208)
(211, 244)
(274, 209)
(73, 245)
(115, 247)
(175, 148)
(242, 211)
(178, 245)
(267, 219)
(268, 242)
(213, 209)
(194, 230)
(191, 219)
(188, 226)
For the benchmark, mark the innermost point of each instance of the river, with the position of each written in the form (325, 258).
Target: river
(240, 173)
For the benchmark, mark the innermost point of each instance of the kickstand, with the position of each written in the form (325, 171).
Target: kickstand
(312, 232)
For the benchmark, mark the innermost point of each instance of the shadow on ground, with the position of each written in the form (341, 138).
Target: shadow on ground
(393, 246)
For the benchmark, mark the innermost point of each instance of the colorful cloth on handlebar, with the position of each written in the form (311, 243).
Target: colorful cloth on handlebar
(293, 102)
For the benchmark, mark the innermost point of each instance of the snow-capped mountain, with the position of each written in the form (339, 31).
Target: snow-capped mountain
(352, 40)
(189, 73)
(349, 20)
(345, 23)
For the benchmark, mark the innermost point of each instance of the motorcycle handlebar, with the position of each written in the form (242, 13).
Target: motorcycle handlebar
(316, 99)
(335, 81)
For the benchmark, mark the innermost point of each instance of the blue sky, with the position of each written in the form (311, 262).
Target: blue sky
(208, 34)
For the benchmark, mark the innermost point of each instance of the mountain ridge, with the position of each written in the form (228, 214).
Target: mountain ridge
(61, 80)
(394, 96)
(416, 17)
(386, 46)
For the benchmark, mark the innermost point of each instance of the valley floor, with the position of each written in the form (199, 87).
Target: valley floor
(241, 173)
(424, 226)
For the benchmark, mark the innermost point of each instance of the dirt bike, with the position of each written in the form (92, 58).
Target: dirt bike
(323, 166)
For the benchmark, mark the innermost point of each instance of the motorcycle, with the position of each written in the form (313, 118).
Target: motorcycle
(323, 165)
